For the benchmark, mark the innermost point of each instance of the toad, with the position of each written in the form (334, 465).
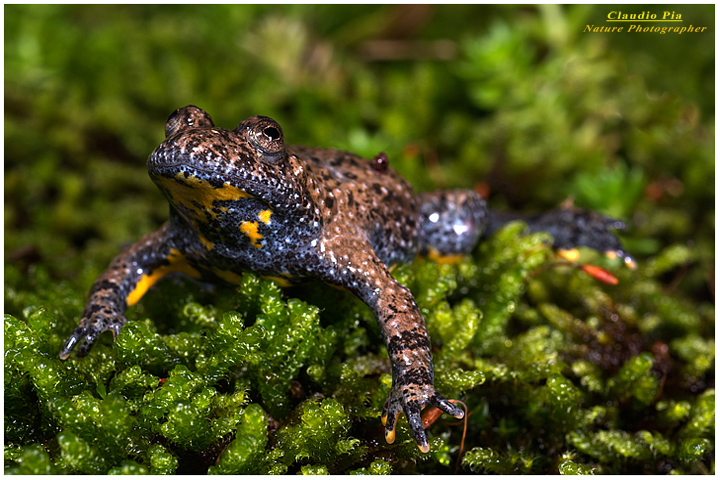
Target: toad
(243, 200)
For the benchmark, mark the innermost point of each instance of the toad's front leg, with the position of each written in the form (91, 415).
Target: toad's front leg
(403, 329)
(408, 345)
(125, 281)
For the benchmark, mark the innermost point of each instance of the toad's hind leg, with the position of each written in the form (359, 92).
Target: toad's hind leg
(570, 228)
(451, 222)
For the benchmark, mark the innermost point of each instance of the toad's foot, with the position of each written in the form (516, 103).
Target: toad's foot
(410, 397)
(89, 330)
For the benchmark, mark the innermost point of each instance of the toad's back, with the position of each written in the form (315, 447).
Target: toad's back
(363, 198)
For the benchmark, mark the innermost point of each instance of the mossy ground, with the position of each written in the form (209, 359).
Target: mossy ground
(560, 373)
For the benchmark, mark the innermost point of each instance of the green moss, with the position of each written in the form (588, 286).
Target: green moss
(161, 461)
(489, 461)
(560, 373)
(30, 460)
(569, 467)
(314, 470)
(377, 467)
(128, 467)
(633, 380)
(702, 416)
(320, 435)
(246, 453)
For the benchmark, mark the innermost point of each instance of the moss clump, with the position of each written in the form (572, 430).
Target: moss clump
(560, 374)
(217, 401)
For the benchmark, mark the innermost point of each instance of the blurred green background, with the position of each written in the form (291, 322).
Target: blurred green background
(514, 101)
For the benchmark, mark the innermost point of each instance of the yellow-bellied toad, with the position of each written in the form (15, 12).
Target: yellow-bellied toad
(243, 200)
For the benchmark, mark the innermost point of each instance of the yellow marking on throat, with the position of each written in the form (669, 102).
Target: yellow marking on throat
(178, 263)
(251, 230)
(197, 195)
(203, 188)
(264, 216)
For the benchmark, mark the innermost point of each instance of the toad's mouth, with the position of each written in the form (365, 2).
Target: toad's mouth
(208, 174)
(189, 173)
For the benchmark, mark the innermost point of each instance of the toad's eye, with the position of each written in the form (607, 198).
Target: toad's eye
(266, 136)
(272, 134)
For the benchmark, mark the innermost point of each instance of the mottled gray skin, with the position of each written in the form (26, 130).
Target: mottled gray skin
(242, 200)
